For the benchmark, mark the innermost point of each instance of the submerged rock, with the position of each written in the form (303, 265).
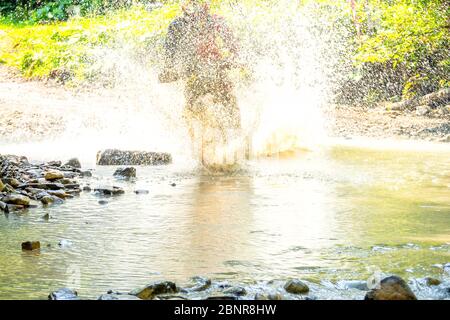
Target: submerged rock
(31, 245)
(141, 191)
(119, 157)
(128, 172)
(296, 287)
(200, 284)
(74, 163)
(391, 288)
(155, 288)
(432, 281)
(63, 294)
(237, 291)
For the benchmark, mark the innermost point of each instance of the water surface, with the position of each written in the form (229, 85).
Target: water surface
(322, 216)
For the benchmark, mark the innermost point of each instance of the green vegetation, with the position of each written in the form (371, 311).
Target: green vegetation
(396, 49)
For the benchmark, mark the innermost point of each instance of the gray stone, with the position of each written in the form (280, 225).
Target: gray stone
(74, 163)
(132, 158)
(141, 191)
(237, 291)
(128, 172)
(109, 191)
(63, 294)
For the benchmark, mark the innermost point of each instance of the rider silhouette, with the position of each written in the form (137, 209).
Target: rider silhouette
(199, 49)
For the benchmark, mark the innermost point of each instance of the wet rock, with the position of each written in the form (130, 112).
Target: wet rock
(173, 184)
(432, 281)
(155, 288)
(53, 175)
(16, 199)
(58, 193)
(44, 186)
(109, 191)
(391, 288)
(87, 189)
(2, 185)
(296, 287)
(54, 163)
(7, 188)
(128, 172)
(119, 157)
(11, 181)
(237, 291)
(111, 296)
(31, 245)
(103, 202)
(141, 191)
(63, 294)
(200, 284)
(46, 217)
(74, 163)
(3, 206)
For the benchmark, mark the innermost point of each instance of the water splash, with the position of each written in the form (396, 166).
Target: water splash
(288, 54)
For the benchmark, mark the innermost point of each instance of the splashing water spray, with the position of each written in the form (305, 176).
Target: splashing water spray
(289, 59)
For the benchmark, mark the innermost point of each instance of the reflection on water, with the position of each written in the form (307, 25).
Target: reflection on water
(320, 216)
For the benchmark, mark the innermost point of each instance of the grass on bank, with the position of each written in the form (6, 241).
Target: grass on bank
(401, 50)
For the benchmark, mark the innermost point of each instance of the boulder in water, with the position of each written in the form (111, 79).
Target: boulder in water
(391, 288)
(132, 158)
(74, 163)
(128, 172)
(155, 288)
(63, 294)
(109, 191)
(31, 245)
(296, 287)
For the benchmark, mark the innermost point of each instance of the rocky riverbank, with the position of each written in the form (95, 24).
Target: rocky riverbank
(201, 288)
